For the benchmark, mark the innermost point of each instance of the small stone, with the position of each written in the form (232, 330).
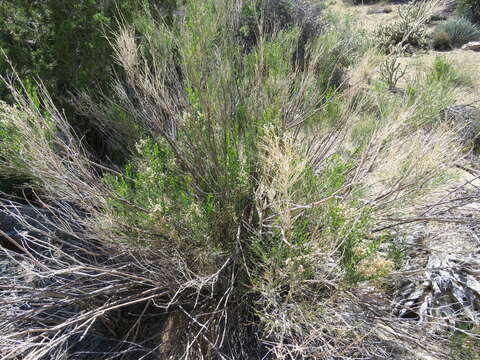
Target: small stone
(379, 10)
(466, 118)
(472, 45)
(440, 16)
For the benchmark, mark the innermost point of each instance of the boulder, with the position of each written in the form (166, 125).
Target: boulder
(17, 221)
(379, 10)
(438, 16)
(466, 118)
(472, 45)
(448, 292)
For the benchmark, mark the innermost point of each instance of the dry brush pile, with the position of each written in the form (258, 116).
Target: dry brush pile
(251, 219)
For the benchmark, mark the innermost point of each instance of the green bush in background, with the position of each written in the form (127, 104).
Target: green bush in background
(454, 33)
(64, 42)
(66, 45)
(469, 9)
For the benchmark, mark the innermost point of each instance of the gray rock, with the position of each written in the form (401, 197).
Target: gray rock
(448, 291)
(379, 10)
(17, 221)
(472, 45)
(438, 16)
(466, 118)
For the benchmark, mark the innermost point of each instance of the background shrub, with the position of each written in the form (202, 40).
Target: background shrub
(441, 41)
(469, 9)
(65, 43)
(455, 32)
(265, 17)
(407, 32)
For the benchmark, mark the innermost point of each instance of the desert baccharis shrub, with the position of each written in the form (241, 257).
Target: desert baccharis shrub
(459, 30)
(234, 157)
(248, 205)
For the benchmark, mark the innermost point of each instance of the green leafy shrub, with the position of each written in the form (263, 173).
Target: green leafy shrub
(458, 31)
(64, 43)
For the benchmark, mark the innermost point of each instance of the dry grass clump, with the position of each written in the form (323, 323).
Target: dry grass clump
(244, 222)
